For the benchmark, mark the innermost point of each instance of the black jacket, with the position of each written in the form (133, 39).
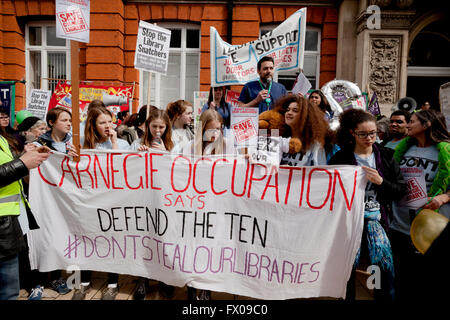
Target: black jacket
(11, 239)
(393, 187)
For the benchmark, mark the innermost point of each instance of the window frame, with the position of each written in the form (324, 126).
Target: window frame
(43, 48)
(183, 51)
(269, 27)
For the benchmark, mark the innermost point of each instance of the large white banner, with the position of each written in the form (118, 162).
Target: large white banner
(216, 223)
(237, 64)
(73, 19)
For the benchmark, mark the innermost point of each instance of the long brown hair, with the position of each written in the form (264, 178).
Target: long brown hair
(176, 109)
(437, 131)
(311, 126)
(91, 135)
(166, 136)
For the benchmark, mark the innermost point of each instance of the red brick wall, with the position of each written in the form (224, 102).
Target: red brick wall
(109, 56)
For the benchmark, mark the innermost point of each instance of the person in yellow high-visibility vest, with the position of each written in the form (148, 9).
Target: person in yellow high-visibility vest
(11, 196)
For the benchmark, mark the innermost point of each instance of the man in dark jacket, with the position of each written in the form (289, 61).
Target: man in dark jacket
(11, 197)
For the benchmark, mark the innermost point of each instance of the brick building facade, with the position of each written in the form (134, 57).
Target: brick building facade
(109, 56)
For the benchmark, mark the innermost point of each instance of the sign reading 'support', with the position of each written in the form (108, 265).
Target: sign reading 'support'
(237, 64)
(152, 48)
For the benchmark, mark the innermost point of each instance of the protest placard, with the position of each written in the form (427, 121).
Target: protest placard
(302, 85)
(236, 64)
(200, 98)
(73, 19)
(232, 97)
(152, 48)
(212, 222)
(38, 102)
(244, 126)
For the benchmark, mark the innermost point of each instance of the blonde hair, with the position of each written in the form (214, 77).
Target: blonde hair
(205, 118)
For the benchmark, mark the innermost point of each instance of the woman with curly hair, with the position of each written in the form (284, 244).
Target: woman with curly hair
(305, 122)
(356, 137)
(180, 114)
(426, 152)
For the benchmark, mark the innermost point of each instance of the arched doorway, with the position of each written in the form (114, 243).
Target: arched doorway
(428, 63)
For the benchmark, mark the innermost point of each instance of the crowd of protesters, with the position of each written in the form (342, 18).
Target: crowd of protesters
(416, 137)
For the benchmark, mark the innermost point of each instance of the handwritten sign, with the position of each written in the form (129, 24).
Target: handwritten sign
(152, 48)
(237, 64)
(38, 101)
(73, 19)
(244, 126)
(212, 222)
(200, 98)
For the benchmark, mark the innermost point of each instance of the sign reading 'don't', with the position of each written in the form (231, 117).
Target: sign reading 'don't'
(73, 19)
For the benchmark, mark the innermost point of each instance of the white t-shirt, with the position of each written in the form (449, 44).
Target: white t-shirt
(315, 156)
(425, 163)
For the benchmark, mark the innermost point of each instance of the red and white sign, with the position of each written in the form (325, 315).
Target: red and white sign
(73, 19)
(244, 125)
(244, 130)
(416, 195)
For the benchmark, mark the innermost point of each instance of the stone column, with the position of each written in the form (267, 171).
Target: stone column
(382, 53)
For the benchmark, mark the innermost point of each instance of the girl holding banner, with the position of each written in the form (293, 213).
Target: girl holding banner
(308, 125)
(157, 134)
(180, 114)
(356, 137)
(99, 134)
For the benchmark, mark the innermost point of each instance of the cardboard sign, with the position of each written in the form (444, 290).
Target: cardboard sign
(232, 97)
(302, 85)
(200, 98)
(152, 48)
(237, 64)
(244, 126)
(73, 19)
(213, 222)
(38, 102)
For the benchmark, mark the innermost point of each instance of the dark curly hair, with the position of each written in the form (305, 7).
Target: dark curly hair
(311, 126)
(349, 120)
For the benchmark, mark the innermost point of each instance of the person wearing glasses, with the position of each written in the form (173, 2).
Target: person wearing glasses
(356, 136)
(397, 128)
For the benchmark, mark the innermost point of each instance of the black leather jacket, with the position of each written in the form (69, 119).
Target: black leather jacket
(393, 187)
(11, 238)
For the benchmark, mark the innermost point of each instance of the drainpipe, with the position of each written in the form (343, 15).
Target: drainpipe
(230, 5)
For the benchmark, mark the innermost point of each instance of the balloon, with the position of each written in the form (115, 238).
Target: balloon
(426, 227)
(337, 91)
(22, 115)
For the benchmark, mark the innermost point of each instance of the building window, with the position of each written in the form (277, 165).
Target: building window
(183, 72)
(47, 57)
(311, 65)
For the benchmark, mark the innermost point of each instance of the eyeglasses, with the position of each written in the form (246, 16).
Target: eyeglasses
(397, 121)
(363, 135)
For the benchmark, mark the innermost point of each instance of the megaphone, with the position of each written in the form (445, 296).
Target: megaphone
(110, 100)
(407, 103)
